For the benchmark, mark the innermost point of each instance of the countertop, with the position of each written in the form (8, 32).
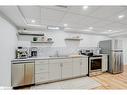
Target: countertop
(43, 58)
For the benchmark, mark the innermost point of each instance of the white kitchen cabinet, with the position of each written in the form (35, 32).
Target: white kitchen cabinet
(80, 66)
(104, 63)
(84, 66)
(59, 69)
(41, 71)
(41, 68)
(66, 68)
(41, 78)
(54, 70)
(76, 66)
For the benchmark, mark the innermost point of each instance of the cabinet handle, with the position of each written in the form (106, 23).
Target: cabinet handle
(61, 65)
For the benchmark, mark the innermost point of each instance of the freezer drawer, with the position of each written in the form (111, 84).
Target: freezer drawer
(117, 62)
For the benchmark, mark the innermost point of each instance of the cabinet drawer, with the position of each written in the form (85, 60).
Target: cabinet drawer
(41, 68)
(66, 60)
(41, 78)
(41, 61)
(54, 60)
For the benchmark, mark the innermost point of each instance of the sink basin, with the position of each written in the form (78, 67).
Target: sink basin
(61, 56)
(75, 55)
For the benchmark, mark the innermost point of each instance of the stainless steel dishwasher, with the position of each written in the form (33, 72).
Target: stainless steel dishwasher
(22, 73)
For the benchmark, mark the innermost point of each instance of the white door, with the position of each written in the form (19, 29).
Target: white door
(66, 69)
(104, 63)
(76, 66)
(54, 70)
(84, 66)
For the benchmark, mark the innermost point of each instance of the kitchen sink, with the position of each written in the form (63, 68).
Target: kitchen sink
(60, 56)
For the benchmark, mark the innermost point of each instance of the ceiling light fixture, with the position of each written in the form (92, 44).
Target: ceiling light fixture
(121, 16)
(67, 28)
(109, 30)
(53, 28)
(90, 28)
(65, 25)
(86, 30)
(85, 7)
(33, 21)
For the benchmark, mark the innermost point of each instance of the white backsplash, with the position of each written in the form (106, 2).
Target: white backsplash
(52, 51)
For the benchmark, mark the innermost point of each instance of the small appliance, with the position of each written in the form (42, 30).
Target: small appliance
(33, 51)
(22, 53)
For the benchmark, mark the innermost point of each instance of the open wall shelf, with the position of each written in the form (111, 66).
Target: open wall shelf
(42, 42)
(31, 34)
(74, 39)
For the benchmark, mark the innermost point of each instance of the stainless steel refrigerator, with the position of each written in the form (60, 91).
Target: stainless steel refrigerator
(115, 54)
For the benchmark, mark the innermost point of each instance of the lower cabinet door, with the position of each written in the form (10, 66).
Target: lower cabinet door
(67, 70)
(104, 63)
(54, 71)
(76, 67)
(41, 78)
(84, 66)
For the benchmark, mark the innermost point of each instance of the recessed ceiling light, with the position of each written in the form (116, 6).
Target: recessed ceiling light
(65, 25)
(67, 28)
(121, 16)
(53, 28)
(109, 30)
(90, 28)
(33, 21)
(86, 30)
(85, 7)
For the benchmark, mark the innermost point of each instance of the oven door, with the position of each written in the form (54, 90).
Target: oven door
(95, 64)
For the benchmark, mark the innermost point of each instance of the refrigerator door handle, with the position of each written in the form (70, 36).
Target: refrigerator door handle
(114, 63)
(121, 62)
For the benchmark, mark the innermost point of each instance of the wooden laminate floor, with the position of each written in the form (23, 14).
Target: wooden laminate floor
(110, 81)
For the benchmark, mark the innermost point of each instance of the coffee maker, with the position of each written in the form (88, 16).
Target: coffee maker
(33, 51)
(22, 53)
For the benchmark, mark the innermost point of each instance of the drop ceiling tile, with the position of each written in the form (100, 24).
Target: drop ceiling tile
(37, 21)
(116, 26)
(115, 18)
(78, 27)
(57, 7)
(101, 23)
(51, 22)
(89, 21)
(30, 11)
(50, 14)
(81, 11)
(71, 19)
(107, 11)
(124, 20)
